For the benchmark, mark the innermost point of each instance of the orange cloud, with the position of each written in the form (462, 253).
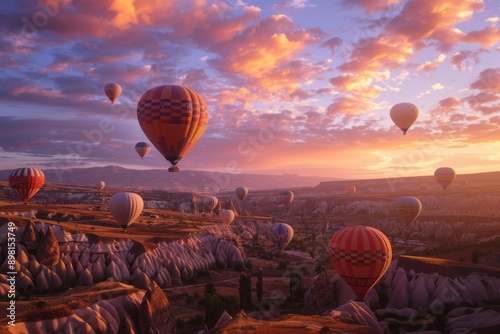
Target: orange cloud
(372, 54)
(350, 105)
(434, 20)
(431, 65)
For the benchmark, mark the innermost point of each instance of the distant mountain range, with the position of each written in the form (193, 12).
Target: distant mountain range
(186, 180)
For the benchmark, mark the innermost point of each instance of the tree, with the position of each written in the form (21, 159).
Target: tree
(210, 289)
(214, 310)
(295, 284)
(242, 290)
(255, 239)
(302, 245)
(216, 305)
(259, 285)
(248, 291)
(475, 255)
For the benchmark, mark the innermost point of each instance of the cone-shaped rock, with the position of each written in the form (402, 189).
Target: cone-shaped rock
(30, 237)
(48, 249)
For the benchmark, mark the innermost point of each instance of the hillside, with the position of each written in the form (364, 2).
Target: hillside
(160, 179)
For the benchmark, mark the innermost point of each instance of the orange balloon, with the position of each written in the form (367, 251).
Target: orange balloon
(174, 119)
(351, 189)
(112, 91)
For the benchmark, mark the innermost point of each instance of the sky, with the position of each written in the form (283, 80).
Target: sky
(300, 87)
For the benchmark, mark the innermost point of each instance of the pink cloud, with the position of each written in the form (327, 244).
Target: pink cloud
(447, 105)
(487, 99)
(489, 36)
(33, 91)
(371, 6)
(332, 44)
(464, 59)
(489, 80)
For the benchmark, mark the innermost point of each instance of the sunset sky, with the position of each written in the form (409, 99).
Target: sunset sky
(298, 86)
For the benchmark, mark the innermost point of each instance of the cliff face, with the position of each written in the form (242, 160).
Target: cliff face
(70, 260)
(102, 308)
(290, 324)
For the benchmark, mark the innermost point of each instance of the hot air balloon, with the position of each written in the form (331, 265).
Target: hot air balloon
(286, 197)
(173, 118)
(142, 149)
(407, 208)
(210, 202)
(101, 185)
(241, 192)
(404, 115)
(444, 176)
(351, 189)
(226, 216)
(280, 234)
(112, 91)
(125, 207)
(26, 182)
(361, 256)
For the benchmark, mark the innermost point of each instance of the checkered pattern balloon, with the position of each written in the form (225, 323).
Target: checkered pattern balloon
(361, 256)
(173, 118)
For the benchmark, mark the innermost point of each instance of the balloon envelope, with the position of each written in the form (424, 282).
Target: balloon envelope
(142, 149)
(280, 234)
(407, 208)
(226, 216)
(173, 118)
(210, 202)
(241, 192)
(444, 176)
(404, 115)
(351, 190)
(112, 91)
(286, 197)
(26, 182)
(101, 185)
(361, 255)
(125, 207)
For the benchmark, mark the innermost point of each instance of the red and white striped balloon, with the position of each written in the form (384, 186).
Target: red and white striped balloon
(26, 182)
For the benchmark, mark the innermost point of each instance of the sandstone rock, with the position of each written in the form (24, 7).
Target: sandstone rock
(47, 252)
(156, 312)
(126, 326)
(320, 295)
(30, 237)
